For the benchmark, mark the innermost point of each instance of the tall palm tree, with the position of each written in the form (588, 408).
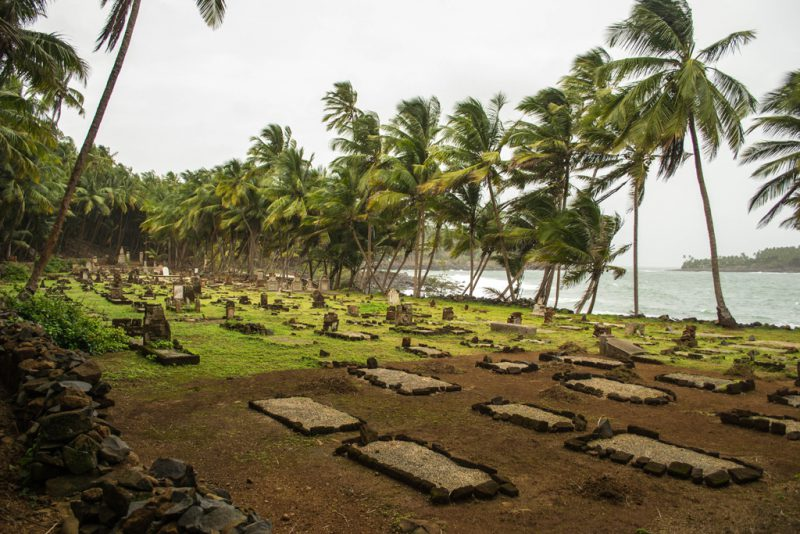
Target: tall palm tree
(117, 30)
(677, 90)
(782, 155)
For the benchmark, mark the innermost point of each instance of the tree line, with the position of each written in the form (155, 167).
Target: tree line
(516, 193)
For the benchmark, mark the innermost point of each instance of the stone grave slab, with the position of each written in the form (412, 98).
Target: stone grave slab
(430, 469)
(780, 425)
(619, 348)
(349, 336)
(403, 382)
(786, 396)
(512, 328)
(645, 450)
(615, 390)
(584, 361)
(531, 416)
(717, 385)
(507, 367)
(306, 415)
(427, 352)
(173, 357)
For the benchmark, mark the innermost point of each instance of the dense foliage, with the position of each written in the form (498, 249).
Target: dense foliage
(777, 259)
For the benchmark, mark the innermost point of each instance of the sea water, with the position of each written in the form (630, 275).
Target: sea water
(764, 297)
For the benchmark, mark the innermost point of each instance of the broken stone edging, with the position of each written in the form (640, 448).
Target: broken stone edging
(489, 490)
(735, 388)
(487, 363)
(430, 390)
(578, 360)
(754, 421)
(578, 421)
(741, 475)
(669, 395)
(779, 397)
(298, 427)
(72, 448)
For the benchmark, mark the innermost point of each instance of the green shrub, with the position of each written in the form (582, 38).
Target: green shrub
(14, 272)
(57, 265)
(68, 324)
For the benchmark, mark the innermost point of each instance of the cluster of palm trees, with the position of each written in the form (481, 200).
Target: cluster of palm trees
(517, 194)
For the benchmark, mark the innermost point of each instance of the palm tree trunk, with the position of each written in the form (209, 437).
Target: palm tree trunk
(433, 252)
(500, 229)
(594, 295)
(635, 249)
(83, 155)
(471, 254)
(724, 316)
(389, 267)
(558, 286)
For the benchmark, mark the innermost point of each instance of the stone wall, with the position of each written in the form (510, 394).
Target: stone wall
(71, 450)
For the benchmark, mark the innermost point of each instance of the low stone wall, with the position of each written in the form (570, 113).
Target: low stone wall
(75, 453)
(578, 421)
(779, 425)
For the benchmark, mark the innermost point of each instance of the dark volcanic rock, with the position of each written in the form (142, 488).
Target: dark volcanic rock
(64, 426)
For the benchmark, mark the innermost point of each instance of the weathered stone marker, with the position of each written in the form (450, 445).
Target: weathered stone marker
(272, 284)
(632, 329)
(353, 311)
(155, 326)
(549, 315)
(619, 348)
(689, 337)
(601, 330)
(447, 314)
(197, 305)
(318, 300)
(330, 322)
(515, 318)
(230, 310)
(264, 300)
(393, 297)
(405, 315)
(391, 313)
(324, 284)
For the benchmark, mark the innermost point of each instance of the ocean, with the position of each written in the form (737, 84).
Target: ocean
(772, 298)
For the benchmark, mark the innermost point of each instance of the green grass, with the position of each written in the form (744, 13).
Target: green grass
(225, 353)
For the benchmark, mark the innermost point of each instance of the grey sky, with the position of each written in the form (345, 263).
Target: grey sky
(189, 97)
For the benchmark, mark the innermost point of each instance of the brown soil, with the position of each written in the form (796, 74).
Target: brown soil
(298, 482)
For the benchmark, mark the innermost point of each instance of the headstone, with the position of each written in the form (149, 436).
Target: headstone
(264, 300)
(197, 305)
(353, 311)
(324, 284)
(297, 284)
(178, 305)
(85, 275)
(188, 294)
(165, 270)
(197, 286)
(330, 322)
(141, 258)
(121, 257)
(549, 315)
(177, 292)
(230, 310)
(447, 314)
(391, 313)
(433, 303)
(406, 342)
(515, 318)
(632, 329)
(689, 337)
(318, 300)
(601, 330)
(393, 296)
(155, 326)
(405, 315)
(272, 284)
(127, 257)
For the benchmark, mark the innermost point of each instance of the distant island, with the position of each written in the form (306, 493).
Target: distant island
(777, 260)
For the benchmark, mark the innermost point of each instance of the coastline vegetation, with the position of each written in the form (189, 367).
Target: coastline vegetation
(776, 259)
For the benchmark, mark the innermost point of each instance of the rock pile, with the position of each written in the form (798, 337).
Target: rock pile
(74, 452)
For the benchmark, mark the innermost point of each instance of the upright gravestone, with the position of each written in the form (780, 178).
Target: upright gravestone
(391, 314)
(353, 311)
(324, 284)
(515, 318)
(297, 284)
(155, 326)
(197, 305)
(121, 260)
(393, 297)
(197, 286)
(264, 300)
(405, 315)
(272, 284)
(230, 310)
(318, 300)
(549, 315)
(177, 292)
(330, 322)
(447, 314)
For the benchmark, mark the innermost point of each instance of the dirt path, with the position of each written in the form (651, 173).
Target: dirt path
(298, 483)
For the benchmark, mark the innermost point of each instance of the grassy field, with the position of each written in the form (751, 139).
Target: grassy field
(226, 354)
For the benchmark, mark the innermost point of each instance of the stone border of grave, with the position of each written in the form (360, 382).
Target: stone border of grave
(566, 358)
(298, 427)
(358, 372)
(779, 397)
(737, 387)
(680, 470)
(578, 421)
(415, 350)
(489, 490)
(669, 395)
(487, 363)
(168, 357)
(751, 420)
(345, 337)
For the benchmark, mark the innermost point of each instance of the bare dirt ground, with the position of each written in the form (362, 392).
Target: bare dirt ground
(298, 482)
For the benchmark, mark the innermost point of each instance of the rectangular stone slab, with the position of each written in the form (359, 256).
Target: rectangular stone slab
(513, 328)
(173, 357)
(427, 352)
(406, 383)
(663, 453)
(529, 412)
(306, 415)
(615, 347)
(589, 361)
(425, 464)
(624, 390)
(699, 381)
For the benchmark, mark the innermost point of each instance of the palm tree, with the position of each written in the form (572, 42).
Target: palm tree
(782, 155)
(118, 29)
(677, 91)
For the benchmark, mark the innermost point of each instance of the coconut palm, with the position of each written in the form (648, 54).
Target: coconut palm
(781, 157)
(117, 30)
(677, 91)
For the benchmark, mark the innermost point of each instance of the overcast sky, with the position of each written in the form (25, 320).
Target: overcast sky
(190, 97)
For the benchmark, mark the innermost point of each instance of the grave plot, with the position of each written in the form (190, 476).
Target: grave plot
(429, 469)
(584, 361)
(403, 382)
(786, 396)
(615, 390)
(507, 367)
(513, 328)
(426, 351)
(348, 336)
(531, 416)
(247, 328)
(306, 415)
(425, 331)
(644, 449)
(717, 385)
(625, 351)
(780, 425)
(171, 356)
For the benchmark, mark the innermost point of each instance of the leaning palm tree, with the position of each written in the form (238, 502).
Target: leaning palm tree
(782, 155)
(678, 91)
(117, 30)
